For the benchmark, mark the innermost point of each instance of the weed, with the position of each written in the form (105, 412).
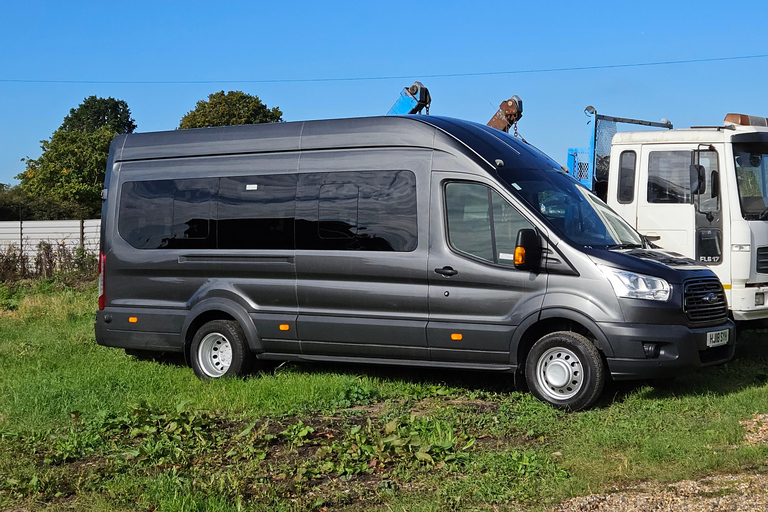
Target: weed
(356, 394)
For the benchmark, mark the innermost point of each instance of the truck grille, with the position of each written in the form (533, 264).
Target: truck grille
(762, 260)
(705, 301)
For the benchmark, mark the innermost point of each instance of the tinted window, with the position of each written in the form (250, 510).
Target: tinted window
(168, 214)
(627, 177)
(481, 223)
(337, 210)
(359, 211)
(256, 212)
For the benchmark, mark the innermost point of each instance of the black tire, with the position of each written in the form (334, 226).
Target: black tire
(219, 349)
(566, 370)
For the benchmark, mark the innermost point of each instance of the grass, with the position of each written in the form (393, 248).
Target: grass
(84, 427)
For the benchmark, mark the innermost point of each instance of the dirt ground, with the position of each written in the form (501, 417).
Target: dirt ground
(718, 494)
(744, 492)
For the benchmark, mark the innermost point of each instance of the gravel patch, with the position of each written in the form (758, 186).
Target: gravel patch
(720, 493)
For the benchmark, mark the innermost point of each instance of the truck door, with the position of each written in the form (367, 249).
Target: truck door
(672, 210)
(476, 295)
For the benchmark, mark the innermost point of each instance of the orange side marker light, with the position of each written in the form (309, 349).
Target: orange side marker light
(456, 336)
(132, 319)
(519, 255)
(284, 327)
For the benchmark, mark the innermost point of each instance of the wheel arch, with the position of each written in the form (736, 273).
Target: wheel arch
(553, 320)
(218, 308)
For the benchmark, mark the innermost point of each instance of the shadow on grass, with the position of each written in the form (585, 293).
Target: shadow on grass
(164, 358)
(748, 369)
(492, 382)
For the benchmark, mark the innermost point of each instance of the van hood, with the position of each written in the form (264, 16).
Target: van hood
(668, 265)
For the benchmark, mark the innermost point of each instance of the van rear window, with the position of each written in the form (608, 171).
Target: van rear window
(338, 211)
(168, 214)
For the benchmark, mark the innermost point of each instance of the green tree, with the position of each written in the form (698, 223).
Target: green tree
(95, 112)
(17, 204)
(231, 108)
(71, 168)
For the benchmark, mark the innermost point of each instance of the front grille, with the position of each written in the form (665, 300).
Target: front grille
(762, 260)
(704, 301)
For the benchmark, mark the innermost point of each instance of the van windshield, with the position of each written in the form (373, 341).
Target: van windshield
(752, 177)
(573, 211)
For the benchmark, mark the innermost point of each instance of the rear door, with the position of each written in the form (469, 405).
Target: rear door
(476, 296)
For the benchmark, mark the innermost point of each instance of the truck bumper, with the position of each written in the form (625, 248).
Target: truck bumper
(680, 349)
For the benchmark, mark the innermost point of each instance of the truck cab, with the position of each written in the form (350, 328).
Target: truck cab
(703, 193)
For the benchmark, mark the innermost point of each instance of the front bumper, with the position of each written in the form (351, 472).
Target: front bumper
(680, 348)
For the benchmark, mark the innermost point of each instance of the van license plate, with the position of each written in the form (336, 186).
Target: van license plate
(717, 338)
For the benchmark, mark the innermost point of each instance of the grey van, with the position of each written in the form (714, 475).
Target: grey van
(414, 240)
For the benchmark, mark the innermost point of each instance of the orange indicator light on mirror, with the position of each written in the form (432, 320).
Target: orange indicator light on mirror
(519, 255)
(284, 327)
(456, 336)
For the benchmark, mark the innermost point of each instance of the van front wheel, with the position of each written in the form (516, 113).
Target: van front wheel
(219, 349)
(566, 370)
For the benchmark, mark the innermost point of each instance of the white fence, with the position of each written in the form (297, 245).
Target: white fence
(29, 233)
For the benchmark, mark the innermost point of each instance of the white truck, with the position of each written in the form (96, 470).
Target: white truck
(701, 192)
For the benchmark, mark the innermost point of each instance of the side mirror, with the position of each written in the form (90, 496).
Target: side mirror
(698, 179)
(528, 250)
(715, 181)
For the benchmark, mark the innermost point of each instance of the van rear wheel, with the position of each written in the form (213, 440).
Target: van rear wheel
(565, 369)
(219, 349)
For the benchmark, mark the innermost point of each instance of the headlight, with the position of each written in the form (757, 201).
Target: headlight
(636, 286)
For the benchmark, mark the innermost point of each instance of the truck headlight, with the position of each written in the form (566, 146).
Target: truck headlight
(636, 286)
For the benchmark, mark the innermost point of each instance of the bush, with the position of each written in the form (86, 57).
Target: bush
(52, 260)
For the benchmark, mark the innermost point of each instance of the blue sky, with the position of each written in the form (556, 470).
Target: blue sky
(236, 44)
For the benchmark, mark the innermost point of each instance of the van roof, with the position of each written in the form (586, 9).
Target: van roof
(365, 132)
(275, 137)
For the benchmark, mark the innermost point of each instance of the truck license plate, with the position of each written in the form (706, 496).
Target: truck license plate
(717, 338)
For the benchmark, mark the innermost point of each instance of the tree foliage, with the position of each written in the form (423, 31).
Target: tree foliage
(16, 204)
(231, 108)
(95, 112)
(70, 170)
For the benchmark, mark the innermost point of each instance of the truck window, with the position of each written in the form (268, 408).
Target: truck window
(357, 211)
(167, 214)
(751, 173)
(256, 212)
(626, 191)
(481, 223)
(669, 178)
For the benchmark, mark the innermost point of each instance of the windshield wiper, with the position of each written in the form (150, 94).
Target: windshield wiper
(624, 246)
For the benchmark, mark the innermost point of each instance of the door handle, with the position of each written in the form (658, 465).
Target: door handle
(446, 271)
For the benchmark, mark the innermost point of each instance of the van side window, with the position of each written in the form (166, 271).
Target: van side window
(168, 214)
(257, 212)
(669, 179)
(481, 223)
(357, 211)
(627, 162)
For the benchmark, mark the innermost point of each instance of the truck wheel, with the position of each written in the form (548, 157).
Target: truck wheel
(566, 370)
(219, 350)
